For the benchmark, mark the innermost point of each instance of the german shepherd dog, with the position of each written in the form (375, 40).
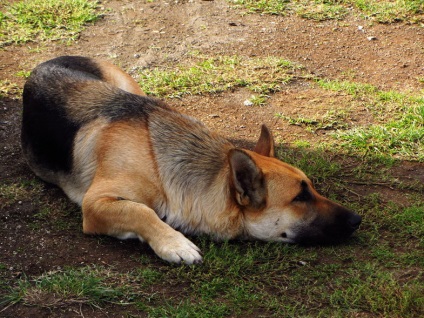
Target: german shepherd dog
(140, 169)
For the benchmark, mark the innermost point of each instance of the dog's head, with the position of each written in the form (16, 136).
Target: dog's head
(279, 202)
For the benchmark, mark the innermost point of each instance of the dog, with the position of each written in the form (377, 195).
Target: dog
(140, 169)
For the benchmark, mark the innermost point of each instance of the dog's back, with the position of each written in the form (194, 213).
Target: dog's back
(66, 102)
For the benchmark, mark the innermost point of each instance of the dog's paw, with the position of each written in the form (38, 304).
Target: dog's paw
(176, 248)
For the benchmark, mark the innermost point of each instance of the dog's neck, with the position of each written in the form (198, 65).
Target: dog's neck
(195, 171)
(196, 210)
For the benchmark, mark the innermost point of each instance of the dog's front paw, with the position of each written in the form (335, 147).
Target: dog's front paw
(176, 248)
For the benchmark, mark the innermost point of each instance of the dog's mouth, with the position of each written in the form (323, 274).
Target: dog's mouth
(321, 240)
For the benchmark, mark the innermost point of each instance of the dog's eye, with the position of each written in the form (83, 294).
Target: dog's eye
(304, 195)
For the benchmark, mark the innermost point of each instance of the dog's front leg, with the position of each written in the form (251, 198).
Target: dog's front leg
(117, 217)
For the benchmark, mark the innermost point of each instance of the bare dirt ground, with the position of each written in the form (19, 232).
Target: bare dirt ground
(134, 35)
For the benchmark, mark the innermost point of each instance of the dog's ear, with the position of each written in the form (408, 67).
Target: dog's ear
(248, 180)
(265, 144)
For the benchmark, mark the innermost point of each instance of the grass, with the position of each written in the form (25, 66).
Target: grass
(39, 20)
(331, 120)
(376, 293)
(395, 127)
(202, 74)
(391, 11)
(320, 10)
(270, 279)
(88, 285)
(60, 214)
(409, 11)
(12, 193)
(398, 122)
(9, 89)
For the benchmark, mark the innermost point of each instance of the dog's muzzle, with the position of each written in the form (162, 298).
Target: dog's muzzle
(334, 228)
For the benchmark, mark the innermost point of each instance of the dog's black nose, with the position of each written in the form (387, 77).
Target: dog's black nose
(354, 221)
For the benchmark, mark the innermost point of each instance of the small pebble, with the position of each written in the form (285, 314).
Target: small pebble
(247, 103)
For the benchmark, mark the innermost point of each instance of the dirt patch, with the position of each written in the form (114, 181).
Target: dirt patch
(136, 35)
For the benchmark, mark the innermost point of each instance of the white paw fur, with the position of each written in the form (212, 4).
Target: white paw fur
(176, 248)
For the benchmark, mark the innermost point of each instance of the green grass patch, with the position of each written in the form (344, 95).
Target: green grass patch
(87, 285)
(203, 75)
(277, 7)
(392, 139)
(12, 193)
(409, 221)
(331, 120)
(60, 214)
(410, 11)
(398, 122)
(39, 20)
(320, 10)
(237, 279)
(367, 289)
(394, 127)
(9, 89)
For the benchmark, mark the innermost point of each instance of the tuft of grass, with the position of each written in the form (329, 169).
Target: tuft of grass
(19, 191)
(204, 74)
(87, 285)
(256, 278)
(23, 73)
(351, 88)
(318, 10)
(258, 100)
(378, 293)
(39, 20)
(321, 10)
(8, 88)
(60, 214)
(410, 11)
(408, 221)
(398, 122)
(331, 120)
(275, 7)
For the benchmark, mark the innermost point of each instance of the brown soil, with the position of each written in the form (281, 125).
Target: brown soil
(135, 35)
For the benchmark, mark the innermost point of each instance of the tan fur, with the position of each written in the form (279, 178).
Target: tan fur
(116, 77)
